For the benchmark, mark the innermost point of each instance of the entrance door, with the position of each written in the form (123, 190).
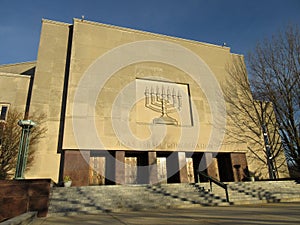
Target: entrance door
(130, 170)
(97, 171)
(225, 168)
(190, 170)
(162, 170)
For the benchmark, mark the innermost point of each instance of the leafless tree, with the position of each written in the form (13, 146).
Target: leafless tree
(10, 133)
(252, 122)
(274, 68)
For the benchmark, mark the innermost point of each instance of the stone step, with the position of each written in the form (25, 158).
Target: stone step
(25, 218)
(99, 199)
(264, 191)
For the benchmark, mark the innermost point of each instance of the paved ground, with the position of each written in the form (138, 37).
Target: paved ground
(279, 213)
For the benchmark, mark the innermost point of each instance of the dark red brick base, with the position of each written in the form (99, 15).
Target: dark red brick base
(20, 196)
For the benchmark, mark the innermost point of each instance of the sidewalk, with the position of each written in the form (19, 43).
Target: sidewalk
(279, 213)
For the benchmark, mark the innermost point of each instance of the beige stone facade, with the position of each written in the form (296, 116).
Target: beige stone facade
(127, 106)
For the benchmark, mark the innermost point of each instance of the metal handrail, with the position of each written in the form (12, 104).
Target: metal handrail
(217, 182)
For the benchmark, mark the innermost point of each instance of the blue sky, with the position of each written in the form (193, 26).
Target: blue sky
(239, 23)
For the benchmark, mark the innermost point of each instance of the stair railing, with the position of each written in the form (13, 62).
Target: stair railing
(217, 182)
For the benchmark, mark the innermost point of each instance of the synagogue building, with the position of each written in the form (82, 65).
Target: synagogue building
(125, 106)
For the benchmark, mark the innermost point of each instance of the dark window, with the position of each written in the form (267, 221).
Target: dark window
(3, 112)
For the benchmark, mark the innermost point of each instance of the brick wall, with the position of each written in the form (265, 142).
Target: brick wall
(20, 196)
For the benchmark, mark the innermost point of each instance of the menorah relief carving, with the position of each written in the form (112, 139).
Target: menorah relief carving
(164, 102)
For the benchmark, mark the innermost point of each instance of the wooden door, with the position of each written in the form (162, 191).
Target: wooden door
(162, 170)
(190, 170)
(130, 170)
(97, 171)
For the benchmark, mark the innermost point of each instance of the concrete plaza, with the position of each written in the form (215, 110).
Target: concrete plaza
(279, 213)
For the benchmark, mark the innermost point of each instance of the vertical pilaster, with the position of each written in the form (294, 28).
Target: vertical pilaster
(120, 167)
(212, 165)
(152, 163)
(76, 165)
(183, 176)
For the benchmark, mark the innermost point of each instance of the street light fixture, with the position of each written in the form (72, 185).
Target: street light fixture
(23, 148)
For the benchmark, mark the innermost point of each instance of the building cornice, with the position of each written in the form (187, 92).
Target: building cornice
(76, 20)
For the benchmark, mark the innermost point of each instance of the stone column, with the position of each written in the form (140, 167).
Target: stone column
(212, 165)
(182, 168)
(152, 163)
(76, 165)
(120, 167)
(239, 166)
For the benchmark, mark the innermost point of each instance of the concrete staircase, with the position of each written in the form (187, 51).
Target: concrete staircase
(258, 192)
(190, 194)
(116, 198)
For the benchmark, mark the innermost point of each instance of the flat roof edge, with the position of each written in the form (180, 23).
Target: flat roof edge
(18, 63)
(4, 74)
(55, 22)
(151, 33)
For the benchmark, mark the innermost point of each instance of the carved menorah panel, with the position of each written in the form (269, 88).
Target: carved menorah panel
(164, 101)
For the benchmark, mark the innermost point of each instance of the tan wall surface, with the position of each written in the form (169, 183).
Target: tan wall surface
(13, 90)
(47, 95)
(92, 41)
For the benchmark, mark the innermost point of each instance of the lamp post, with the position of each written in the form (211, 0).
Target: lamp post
(23, 147)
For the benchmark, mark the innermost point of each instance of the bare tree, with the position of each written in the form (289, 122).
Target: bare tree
(253, 123)
(10, 133)
(275, 77)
